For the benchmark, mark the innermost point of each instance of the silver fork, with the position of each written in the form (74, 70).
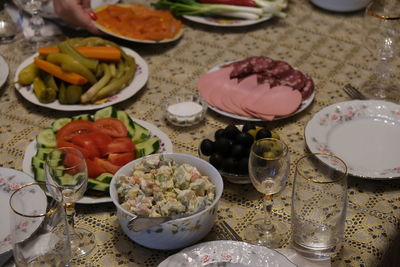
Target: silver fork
(353, 92)
(228, 231)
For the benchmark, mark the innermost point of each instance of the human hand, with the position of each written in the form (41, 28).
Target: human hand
(75, 12)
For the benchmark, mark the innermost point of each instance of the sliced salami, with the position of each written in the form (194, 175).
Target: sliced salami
(296, 80)
(308, 88)
(281, 69)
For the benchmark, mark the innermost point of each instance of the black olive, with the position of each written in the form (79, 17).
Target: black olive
(243, 166)
(223, 146)
(245, 139)
(237, 151)
(248, 126)
(216, 160)
(231, 131)
(219, 133)
(230, 165)
(207, 147)
(263, 133)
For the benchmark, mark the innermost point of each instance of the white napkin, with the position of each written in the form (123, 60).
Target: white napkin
(299, 260)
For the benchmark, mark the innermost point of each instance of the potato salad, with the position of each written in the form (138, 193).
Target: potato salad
(161, 187)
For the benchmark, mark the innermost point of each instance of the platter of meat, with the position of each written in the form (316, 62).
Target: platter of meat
(256, 89)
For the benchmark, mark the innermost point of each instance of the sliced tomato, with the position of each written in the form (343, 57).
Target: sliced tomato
(111, 126)
(108, 166)
(101, 140)
(86, 153)
(121, 159)
(87, 142)
(120, 145)
(94, 169)
(74, 128)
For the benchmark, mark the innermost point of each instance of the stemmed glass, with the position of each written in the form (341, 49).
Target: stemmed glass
(382, 39)
(269, 166)
(36, 22)
(66, 168)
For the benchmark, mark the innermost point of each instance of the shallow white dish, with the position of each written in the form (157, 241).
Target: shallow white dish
(304, 104)
(165, 146)
(231, 253)
(4, 70)
(9, 181)
(103, 29)
(341, 5)
(140, 79)
(363, 133)
(226, 22)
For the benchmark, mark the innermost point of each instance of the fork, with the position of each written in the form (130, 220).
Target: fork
(353, 92)
(229, 232)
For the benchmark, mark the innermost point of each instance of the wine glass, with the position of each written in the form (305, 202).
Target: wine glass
(66, 168)
(39, 228)
(382, 39)
(36, 21)
(269, 166)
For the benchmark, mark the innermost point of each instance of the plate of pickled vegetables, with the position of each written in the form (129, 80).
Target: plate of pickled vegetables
(81, 74)
(138, 23)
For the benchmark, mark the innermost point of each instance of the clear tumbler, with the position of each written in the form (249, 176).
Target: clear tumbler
(319, 203)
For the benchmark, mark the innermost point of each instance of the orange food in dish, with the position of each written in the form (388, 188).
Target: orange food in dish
(139, 22)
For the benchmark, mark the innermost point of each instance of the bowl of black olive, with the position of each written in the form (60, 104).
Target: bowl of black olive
(229, 148)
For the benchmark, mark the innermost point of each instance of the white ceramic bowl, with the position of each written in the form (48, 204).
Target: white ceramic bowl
(341, 5)
(177, 233)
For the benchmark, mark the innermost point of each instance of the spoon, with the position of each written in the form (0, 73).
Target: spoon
(140, 223)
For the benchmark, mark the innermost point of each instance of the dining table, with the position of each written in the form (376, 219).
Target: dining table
(327, 46)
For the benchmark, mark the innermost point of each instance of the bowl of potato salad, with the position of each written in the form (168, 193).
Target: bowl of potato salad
(167, 185)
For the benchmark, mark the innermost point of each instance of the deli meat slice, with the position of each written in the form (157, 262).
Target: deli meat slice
(296, 80)
(278, 101)
(252, 97)
(209, 82)
(308, 88)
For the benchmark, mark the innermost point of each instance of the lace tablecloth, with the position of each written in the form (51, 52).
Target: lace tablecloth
(327, 46)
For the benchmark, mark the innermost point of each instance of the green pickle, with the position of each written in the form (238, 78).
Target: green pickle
(73, 94)
(62, 94)
(49, 81)
(28, 74)
(43, 93)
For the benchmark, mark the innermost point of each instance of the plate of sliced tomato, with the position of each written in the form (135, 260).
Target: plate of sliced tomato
(105, 143)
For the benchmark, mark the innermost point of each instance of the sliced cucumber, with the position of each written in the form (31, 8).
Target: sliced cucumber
(43, 152)
(67, 179)
(46, 138)
(124, 117)
(58, 124)
(104, 177)
(97, 185)
(141, 134)
(39, 174)
(108, 112)
(37, 162)
(86, 117)
(148, 147)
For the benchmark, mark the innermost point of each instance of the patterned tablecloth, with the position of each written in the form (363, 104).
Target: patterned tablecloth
(327, 46)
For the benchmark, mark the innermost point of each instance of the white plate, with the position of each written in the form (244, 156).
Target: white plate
(4, 70)
(48, 9)
(140, 79)
(226, 22)
(365, 134)
(165, 146)
(304, 104)
(231, 253)
(100, 27)
(9, 181)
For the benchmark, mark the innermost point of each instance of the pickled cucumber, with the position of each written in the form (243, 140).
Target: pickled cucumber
(43, 93)
(28, 74)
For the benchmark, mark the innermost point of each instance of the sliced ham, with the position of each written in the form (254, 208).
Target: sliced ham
(252, 97)
(278, 101)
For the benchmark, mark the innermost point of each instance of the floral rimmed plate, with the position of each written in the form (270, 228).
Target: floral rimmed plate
(10, 180)
(140, 79)
(363, 133)
(227, 253)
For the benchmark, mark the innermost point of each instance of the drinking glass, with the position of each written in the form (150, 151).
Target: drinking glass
(269, 166)
(36, 21)
(382, 39)
(39, 229)
(8, 28)
(66, 169)
(319, 203)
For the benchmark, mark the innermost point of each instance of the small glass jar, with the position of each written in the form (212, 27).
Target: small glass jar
(185, 109)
